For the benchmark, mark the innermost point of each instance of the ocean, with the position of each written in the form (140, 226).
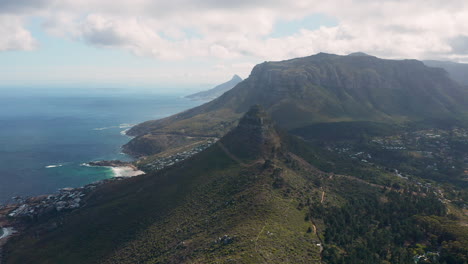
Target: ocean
(46, 135)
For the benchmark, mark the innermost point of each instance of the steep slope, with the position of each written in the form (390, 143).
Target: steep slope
(323, 88)
(216, 91)
(456, 71)
(215, 207)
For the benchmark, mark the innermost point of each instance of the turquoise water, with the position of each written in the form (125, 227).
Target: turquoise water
(45, 135)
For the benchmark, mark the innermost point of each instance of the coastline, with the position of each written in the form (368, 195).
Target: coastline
(16, 217)
(118, 168)
(126, 171)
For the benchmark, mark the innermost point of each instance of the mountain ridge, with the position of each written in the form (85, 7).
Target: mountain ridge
(225, 183)
(217, 90)
(457, 71)
(323, 88)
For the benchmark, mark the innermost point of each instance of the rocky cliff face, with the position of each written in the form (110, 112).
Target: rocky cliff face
(329, 87)
(254, 136)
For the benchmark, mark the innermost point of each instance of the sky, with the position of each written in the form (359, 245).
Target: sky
(193, 42)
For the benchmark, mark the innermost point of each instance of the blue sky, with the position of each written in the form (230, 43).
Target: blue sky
(120, 43)
(56, 59)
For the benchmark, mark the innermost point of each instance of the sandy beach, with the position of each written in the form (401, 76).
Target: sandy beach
(126, 171)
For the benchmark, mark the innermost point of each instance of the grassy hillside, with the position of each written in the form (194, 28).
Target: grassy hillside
(181, 214)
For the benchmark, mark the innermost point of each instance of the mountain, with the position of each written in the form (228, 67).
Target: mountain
(359, 54)
(216, 91)
(357, 191)
(457, 71)
(256, 196)
(317, 89)
(219, 206)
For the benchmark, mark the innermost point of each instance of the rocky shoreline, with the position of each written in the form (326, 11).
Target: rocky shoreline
(18, 215)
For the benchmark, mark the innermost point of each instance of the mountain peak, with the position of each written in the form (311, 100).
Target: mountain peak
(255, 136)
(236, 78)
(216, 91)
(256, 117)
(356, 54)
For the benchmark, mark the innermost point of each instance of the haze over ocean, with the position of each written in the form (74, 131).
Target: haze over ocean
(46, 134)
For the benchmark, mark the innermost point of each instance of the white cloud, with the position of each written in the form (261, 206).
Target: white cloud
(233, 29)
(236, 31)
(14, 35)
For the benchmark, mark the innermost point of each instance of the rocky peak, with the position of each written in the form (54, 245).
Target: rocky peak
(254, 136)
(357, 54)
(236, 78)
(256, 118)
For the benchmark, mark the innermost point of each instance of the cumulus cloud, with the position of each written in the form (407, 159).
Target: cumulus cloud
(181, 29)
(14, 35)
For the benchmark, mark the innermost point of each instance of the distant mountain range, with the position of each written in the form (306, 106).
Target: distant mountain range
(216, 91)
(457, 71)
(317, 89)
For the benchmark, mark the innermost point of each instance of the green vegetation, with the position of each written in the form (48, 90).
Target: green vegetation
(375, 176)
(259, 201)
(384, 230)
(336, 131)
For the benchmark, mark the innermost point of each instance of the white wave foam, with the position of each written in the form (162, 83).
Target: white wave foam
(112, 127)
(53, 166)
(102, 128)
(7, 231)
(126, 125)
(124, 132)
(126, 172)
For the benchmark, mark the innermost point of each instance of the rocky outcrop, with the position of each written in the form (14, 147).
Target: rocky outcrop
(255, 136)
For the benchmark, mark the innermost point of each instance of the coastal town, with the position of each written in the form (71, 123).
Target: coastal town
(158, 163)
(419, 158)
(431, 150)
(15, 215)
